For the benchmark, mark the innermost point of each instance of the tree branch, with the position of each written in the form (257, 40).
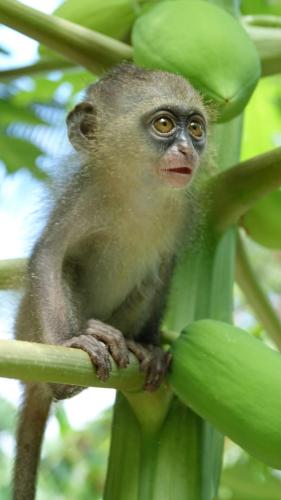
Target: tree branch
(255, 295)
(234, 191)
(86, 47)
(44, 65)
(30, 361)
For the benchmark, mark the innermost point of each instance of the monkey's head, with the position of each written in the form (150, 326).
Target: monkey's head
(147, 124)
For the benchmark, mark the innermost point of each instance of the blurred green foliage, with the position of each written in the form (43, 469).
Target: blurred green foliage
(74, 462)
(262, 124)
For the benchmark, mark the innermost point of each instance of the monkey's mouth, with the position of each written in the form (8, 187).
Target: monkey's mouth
(177, 177)
(179, 170)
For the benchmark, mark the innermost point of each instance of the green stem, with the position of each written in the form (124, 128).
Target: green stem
(236, 190)
(148, 463)
(88, 48)
(160, 465)
(30, 361)
(263, 21)
(255, 295)
(12, 273)
(151, 410)
(266, 34)
(125, 451)
(50, 64)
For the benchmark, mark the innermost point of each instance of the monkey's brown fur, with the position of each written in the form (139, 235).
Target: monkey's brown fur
(108, 248)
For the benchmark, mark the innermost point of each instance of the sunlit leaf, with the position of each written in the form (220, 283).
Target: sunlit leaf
(251, 480)
(45, 88)
(17, 153)
(11, 112)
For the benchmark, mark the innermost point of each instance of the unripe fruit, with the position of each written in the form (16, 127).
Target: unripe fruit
(203, 43)
(232, 380)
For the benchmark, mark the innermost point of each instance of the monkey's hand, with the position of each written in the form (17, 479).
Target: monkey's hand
(99, 340)
(153, 361)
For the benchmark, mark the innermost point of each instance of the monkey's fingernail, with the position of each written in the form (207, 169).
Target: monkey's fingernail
(102, 374)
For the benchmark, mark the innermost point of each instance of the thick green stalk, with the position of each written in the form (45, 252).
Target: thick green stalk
(255, 295)
(265, 21)
(160, 466)
(124, 457)
(147, 469)
(86, 47)
(234, 192)
(30, 361)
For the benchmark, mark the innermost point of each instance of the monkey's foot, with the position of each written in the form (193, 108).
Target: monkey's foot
(153, 361)
(99, 340)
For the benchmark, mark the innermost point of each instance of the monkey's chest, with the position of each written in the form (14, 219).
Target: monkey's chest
(116, 267)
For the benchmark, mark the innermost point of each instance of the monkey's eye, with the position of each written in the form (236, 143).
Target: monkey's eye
(164, 125)
(196, 128)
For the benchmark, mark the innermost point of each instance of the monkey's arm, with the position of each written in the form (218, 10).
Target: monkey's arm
(51, 308)
(45, 313)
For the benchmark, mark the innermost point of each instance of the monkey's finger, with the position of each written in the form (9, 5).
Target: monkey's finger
(112, 338)
(141, 352)
(153, 361)
(157, 369)
(97, 352)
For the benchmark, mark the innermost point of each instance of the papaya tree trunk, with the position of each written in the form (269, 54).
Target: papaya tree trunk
(180, 457)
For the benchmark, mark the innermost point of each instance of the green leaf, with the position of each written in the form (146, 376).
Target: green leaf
(13, 112)
(249, 479)
(17, 153)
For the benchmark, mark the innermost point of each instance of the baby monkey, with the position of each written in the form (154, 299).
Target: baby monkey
(99, 273)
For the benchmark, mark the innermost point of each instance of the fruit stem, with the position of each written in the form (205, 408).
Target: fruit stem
(255, 295)
(235, 191)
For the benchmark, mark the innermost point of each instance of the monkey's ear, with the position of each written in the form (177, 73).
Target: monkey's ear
(81, 125)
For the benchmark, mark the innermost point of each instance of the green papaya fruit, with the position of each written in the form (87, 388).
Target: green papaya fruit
(203, 43)
(263, 222)
(232, 380)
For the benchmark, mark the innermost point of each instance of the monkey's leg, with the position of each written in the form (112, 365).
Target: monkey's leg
(32, 422)
(153, 361)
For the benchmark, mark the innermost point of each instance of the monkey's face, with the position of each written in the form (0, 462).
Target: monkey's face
(146, 128)
(178, 135)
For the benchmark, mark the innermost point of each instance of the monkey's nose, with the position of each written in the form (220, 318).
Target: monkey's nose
(186, 150)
